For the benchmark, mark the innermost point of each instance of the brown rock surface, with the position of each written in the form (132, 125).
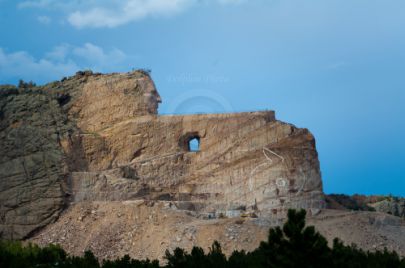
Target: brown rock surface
(41, 131)
(31, 162)
(247, 160)
(95, 145)
(92, 138)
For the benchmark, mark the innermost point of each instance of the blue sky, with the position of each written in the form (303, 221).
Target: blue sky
(336, 67)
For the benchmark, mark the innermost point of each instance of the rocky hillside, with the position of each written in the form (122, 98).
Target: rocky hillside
(386, 204)
(146, 229)
(87, 162)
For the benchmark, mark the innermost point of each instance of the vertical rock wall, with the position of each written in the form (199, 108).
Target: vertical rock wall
(31, 162)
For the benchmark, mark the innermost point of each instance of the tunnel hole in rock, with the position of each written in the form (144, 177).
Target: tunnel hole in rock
(190, 142)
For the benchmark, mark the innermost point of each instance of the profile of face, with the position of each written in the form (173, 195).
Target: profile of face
(152, 98)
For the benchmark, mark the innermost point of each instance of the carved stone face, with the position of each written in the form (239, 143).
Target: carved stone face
(152, 98)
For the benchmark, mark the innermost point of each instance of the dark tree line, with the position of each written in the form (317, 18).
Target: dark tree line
(293, 245)
(24, 85)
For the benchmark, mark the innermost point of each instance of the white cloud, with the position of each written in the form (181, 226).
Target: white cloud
(231, 2)
(97, 57)
(113, 13)
(38, 3)
(62, 60)
(44, 19)
(21, 65)
(58, 53)
(130, 10)
(51, 4)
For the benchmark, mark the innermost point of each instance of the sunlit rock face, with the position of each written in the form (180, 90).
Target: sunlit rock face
(94, 137)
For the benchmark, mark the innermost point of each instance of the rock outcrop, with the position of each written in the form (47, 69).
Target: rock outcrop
(31, 161)
(93, 138)
(387, 204)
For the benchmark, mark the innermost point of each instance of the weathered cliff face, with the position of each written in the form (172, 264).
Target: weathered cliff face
(98, 137)
(247, 163)
(31, 162)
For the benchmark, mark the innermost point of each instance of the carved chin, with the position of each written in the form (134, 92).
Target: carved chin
(152, 105)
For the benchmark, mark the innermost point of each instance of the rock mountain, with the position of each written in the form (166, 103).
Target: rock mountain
(88, 159)
(96, 137)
